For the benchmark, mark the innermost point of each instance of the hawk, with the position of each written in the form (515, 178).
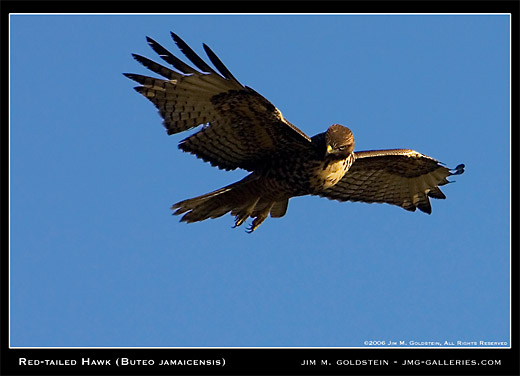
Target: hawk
(242, 129)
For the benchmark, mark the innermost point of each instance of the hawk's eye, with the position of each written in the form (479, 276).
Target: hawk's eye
(341, 148)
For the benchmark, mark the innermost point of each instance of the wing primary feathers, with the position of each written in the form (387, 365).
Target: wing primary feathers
(131, 76)
(157, 68)
(219, 64)
(190, 54)
(435, 192)
(169, 57)
(143, 80)
(458, 170)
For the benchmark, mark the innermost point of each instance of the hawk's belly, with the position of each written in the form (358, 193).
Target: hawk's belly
(328, 173)
(298, 177)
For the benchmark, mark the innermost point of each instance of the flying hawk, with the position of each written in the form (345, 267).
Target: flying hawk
(242, 129)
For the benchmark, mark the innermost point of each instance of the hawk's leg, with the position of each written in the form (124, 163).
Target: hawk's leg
(259, 218)
(242, 215)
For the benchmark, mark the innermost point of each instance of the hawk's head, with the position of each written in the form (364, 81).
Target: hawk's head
(339, 141)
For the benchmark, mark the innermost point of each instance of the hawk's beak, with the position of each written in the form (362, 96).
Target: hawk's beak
(329, 149)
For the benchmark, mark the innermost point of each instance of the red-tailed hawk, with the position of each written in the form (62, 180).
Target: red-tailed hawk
(242, 129)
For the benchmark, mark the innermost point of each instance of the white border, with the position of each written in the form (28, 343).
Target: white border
(277, 14)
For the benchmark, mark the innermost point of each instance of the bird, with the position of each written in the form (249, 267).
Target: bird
(238, 128)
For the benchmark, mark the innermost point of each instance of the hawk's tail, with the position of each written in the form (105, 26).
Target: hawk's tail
(244, 199)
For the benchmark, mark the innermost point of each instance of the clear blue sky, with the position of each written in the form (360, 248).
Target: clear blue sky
(98, 260)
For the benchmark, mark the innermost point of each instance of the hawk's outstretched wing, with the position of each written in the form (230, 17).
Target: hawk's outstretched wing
(242, 128)
(399, 177)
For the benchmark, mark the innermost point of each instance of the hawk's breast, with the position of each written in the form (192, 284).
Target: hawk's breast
(328, 173)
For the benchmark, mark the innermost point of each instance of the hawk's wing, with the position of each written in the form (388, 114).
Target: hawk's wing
(242, 128)
(399, 177)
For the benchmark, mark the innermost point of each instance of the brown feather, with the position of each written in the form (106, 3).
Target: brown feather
(401, 177)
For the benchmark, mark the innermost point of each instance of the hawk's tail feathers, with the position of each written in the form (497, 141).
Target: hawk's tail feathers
(243, 199)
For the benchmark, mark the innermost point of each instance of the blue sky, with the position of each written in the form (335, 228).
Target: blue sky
(96, 259)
